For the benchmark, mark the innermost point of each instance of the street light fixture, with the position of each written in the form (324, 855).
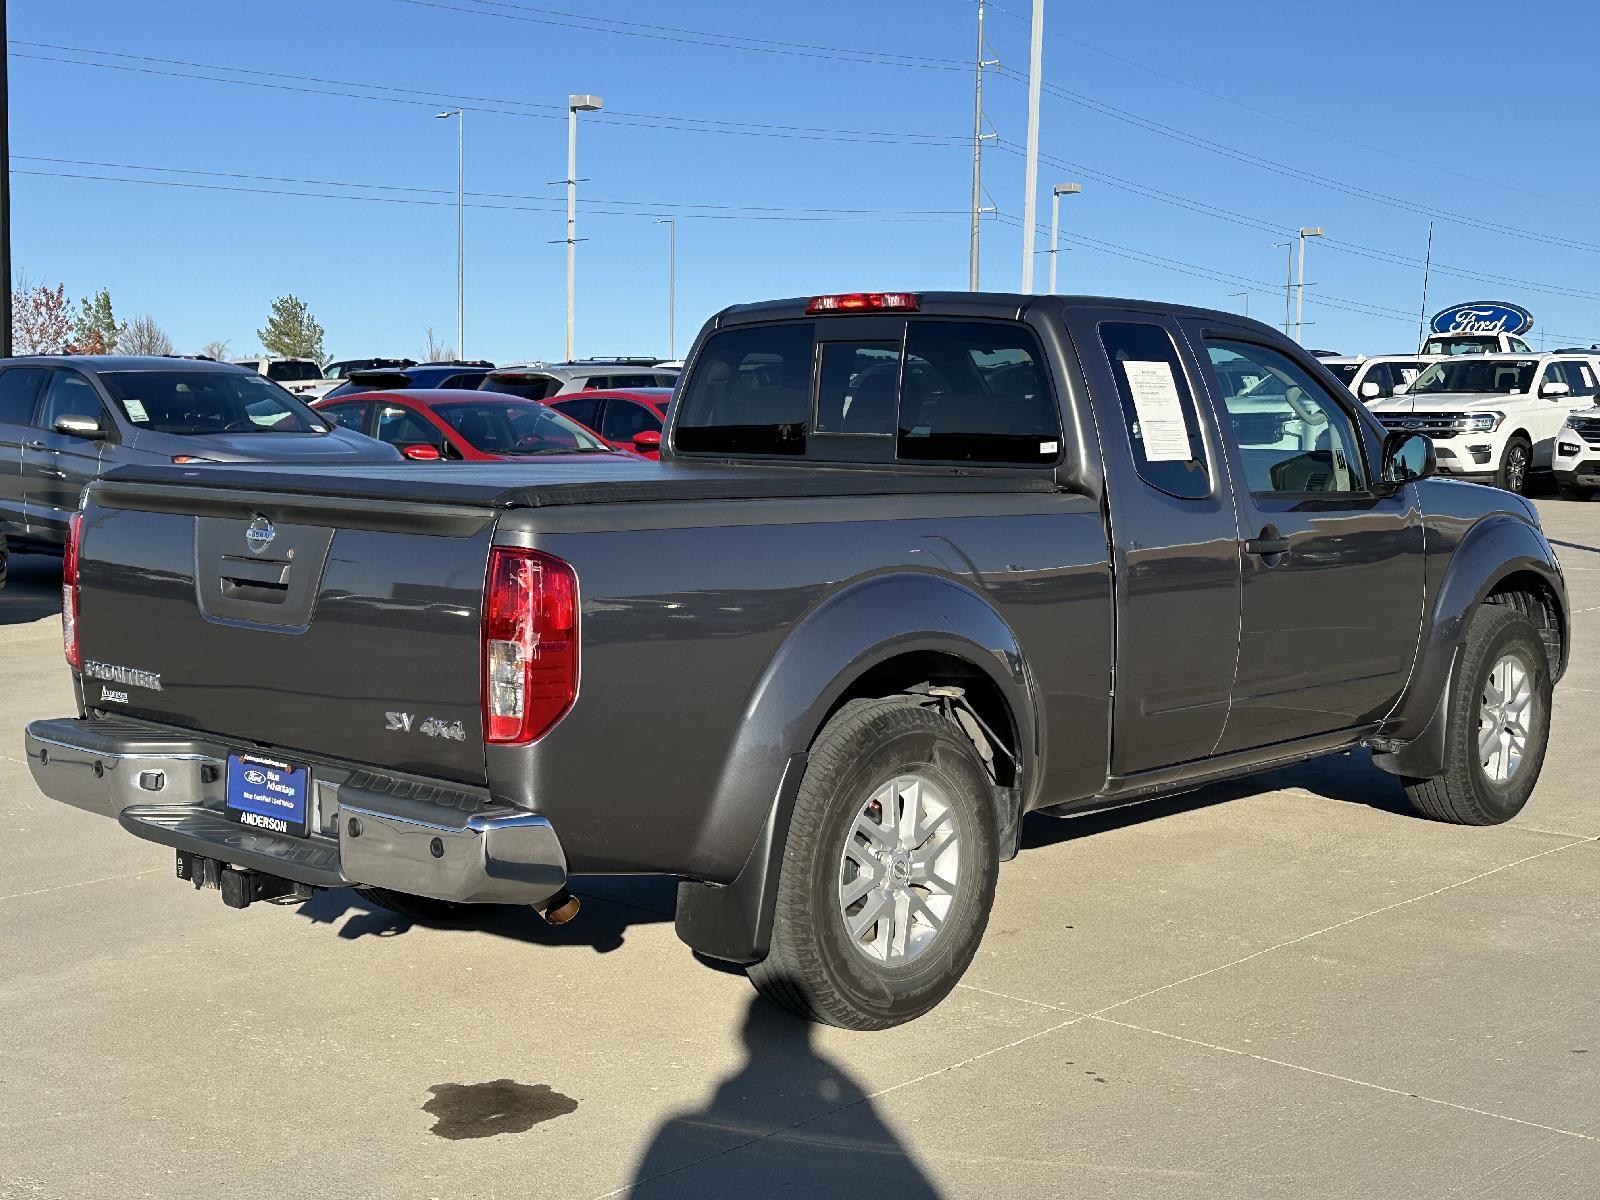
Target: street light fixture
(1306, 231)
(1060, 190)
(575, 105)
(672, 283)
(461, 229)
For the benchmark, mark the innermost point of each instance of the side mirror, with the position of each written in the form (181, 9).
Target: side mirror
(647, 441)
(80, 427)
(1400, 389)
(1407, 456)
(421, 453)
(1370, 390)
(1555, 388)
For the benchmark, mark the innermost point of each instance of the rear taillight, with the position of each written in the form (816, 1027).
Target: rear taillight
(69, 591)
(530, 644)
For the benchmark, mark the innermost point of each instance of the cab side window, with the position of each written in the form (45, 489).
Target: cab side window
(1554, 372)
(402, 427)
(1580, 376)
(349, 416)
(1294, 438)
(624, 418)
(1157, 408)
(69, 395)
(19, 392)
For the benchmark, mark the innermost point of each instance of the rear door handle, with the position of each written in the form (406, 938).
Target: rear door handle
(1270, 541)
(37, 446)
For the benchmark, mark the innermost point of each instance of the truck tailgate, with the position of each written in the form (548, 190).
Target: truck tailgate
(291, 622)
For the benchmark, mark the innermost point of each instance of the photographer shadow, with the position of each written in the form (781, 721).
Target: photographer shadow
(790, 1121)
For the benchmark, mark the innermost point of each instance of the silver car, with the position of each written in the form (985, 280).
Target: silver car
(65, 421)
(540, 381)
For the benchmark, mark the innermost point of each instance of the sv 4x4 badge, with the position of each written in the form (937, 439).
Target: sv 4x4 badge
(434, 727)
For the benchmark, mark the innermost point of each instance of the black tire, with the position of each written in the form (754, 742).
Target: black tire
(813, 968)
(419, 908)
(1571, 491)
(1516, 464)
(1465, 794)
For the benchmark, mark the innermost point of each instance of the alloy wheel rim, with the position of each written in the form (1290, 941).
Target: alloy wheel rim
(899, 870)
(1505, 718)
(1516, 468)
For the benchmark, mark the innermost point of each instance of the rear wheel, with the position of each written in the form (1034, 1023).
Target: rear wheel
(1498, 724)
(419, 908)
(888, 872)
(1514, 463)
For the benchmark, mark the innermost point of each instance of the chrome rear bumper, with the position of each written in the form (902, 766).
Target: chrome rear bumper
(369, 827)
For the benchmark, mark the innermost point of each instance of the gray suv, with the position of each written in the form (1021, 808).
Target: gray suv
(66, 421)
(541, 381)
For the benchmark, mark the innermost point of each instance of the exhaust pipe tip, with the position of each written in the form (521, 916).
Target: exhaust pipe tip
(560, 908)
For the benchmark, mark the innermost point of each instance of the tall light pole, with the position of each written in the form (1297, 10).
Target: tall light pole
(1288, 283)
(1031, 170)
(1306, 231)
(672, 283)
(1060, 190)
(1246, 296)
(575, 105)
(978, 139)
(461, 228)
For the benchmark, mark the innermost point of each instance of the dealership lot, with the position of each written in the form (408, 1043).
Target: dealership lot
(1285, 987)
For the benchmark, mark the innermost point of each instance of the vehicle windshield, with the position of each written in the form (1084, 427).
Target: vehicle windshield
(518, 429)
(292, 371)
(1457, 343)
(528, 386)
(1344, 372)
(1491, 376)
(193, 403)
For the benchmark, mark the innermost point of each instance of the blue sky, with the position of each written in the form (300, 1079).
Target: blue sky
(1202, 135)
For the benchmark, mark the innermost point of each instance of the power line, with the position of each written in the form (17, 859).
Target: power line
(648, 208)
(1291, 172)
(694, 37)
(417, 97)
(1407, 157)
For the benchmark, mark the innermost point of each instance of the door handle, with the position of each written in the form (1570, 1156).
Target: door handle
(37, 446)
(1268, 542)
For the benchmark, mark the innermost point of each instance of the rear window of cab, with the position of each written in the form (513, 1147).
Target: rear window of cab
(925, 389)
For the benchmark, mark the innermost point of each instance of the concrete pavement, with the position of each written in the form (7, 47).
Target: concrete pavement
(1282, 987)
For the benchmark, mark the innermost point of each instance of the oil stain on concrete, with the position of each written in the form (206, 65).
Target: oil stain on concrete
(479, 1110)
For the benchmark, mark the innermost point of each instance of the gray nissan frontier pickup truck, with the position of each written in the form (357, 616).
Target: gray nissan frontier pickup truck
(911, 566)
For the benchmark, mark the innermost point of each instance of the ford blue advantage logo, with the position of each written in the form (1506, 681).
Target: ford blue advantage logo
(1483, 316)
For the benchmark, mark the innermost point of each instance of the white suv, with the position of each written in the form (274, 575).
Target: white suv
(1375, 377)
(1494, 416)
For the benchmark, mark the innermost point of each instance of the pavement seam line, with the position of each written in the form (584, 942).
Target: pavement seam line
(893, 1087)
(1379, 1087)
(1304, 937)
(61, 887)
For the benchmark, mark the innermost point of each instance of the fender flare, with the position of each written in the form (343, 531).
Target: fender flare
(1493, 550)
(860, 626)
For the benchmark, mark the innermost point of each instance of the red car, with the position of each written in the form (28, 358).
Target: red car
(429, 424)
(625, 418)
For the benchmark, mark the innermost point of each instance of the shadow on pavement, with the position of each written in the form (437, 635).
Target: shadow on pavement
(1350, 778)
(33, 589)
(788, 1122)
(611, 905)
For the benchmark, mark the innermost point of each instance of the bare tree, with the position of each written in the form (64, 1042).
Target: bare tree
(40, 323)
(143, 336)
(219, 350)
(437, 351)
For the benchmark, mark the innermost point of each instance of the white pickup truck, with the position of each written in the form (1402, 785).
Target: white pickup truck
(1494, 416)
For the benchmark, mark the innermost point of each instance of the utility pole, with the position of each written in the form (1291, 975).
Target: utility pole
(1427, 269)
(1306, 231)
(672, 283)
(978, 139)
(575, 105)
(1031, 171)
(5, 185)
(1060, 190)
(461, 229)
(1246, 296)
(1288, 283)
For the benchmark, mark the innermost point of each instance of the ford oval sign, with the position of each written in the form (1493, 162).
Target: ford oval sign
(1483, 316)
